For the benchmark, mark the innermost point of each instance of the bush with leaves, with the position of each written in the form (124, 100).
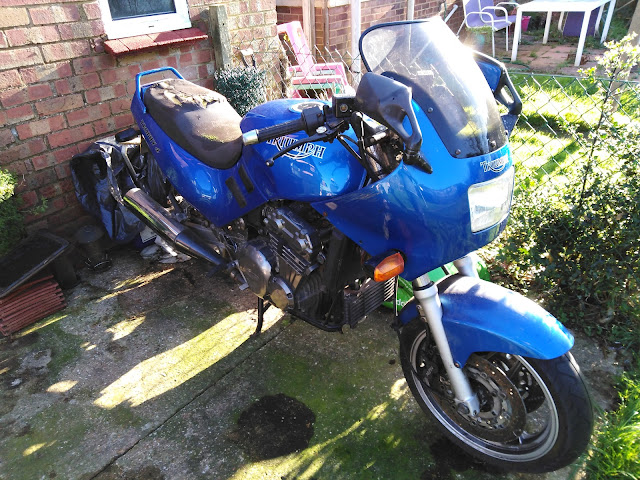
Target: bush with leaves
(244, 87)
(578, 245)
(11, 226)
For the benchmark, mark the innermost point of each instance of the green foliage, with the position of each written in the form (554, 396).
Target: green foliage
(11, 226)
(575, 240)
(244, 87)
(615, 453)
(7, 185)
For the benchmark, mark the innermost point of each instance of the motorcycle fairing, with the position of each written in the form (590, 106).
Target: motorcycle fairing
(479, 316)
(424, 216)
(220, 195)
(308, 173)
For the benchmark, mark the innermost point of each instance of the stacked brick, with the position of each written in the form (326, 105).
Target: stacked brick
(60, 91)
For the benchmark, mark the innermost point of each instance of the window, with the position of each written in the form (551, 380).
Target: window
(127, 18)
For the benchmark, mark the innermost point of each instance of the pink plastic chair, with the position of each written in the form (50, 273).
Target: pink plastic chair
(308, 75)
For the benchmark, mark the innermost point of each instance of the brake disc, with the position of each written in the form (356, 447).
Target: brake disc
(530, 391)
(502, 415)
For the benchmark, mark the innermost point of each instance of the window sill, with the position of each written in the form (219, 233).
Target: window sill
(143, 43)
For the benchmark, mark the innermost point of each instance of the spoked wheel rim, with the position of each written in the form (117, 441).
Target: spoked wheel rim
(540, 428)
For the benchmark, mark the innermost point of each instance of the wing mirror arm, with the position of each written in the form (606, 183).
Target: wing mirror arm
(502, 87)
(390, 103)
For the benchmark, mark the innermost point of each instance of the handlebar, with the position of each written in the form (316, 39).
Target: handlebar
(310, 119)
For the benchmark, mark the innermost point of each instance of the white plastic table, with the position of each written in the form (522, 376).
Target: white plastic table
(550, 6)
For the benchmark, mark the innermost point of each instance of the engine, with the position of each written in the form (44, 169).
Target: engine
(288, 249)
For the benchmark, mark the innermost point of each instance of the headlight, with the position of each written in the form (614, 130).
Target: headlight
(489, 202)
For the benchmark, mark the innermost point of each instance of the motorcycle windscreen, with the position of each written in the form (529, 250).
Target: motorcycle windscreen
(445, 80)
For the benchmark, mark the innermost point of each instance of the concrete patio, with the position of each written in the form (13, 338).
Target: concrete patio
(554, 57)
(151, 373)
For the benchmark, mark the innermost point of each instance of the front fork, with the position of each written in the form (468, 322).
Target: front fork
(430, 309)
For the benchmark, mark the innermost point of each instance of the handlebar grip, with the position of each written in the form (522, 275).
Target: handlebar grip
(263, 134)
(281, 129)
(310, 119)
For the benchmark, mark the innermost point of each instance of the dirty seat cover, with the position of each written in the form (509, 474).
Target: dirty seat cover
(200, 120)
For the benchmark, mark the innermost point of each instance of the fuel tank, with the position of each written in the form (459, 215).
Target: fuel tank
(310, 172)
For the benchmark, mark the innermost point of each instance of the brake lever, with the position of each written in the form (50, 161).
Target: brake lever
(418, 161)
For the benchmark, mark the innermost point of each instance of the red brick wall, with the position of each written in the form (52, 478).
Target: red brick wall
(372, 12)
(290, 14)
(60, 91)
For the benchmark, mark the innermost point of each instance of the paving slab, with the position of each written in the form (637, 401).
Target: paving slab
(152, 373)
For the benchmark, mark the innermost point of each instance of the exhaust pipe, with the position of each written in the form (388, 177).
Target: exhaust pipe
(185, 239)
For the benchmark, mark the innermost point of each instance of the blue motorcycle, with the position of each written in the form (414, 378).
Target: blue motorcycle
(317, 207)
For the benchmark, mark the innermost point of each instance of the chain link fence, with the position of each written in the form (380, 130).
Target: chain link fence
(573, 238)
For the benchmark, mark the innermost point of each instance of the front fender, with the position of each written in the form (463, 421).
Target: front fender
(479, 316)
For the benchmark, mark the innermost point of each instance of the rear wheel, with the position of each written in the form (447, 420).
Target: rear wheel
(535, 415)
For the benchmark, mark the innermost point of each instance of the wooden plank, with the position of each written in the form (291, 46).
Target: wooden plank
(219, 32)
(32, 316)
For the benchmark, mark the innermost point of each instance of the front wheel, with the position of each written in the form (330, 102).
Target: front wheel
(535, 415)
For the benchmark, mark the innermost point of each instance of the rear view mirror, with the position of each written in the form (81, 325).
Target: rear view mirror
(389, 102)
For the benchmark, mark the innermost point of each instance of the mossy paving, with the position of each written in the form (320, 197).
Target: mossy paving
(99, 380)
(159, 394)
(366, 423)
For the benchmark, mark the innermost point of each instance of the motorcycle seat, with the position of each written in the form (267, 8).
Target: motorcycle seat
(200, 120)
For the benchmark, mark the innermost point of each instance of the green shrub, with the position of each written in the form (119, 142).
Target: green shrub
(575, 242)
(11, 226)
(244, 87)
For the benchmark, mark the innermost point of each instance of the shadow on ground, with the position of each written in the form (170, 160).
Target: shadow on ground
(151, 373)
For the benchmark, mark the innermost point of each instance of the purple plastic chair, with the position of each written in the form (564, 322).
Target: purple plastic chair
(483, 13)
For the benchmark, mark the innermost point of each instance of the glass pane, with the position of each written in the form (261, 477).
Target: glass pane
(139, 8)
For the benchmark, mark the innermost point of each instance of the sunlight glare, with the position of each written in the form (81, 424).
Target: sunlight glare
(37, 326)
(132, 284)
(35, 447)
(62, 387)
(172, 368)
(124, 328)
(399, 389)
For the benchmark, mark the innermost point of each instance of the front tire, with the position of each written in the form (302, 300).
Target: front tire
(536, 415)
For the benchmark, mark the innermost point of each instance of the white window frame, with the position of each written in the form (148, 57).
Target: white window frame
(130, 27)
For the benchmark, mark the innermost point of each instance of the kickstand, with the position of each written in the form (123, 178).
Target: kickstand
(261, 309)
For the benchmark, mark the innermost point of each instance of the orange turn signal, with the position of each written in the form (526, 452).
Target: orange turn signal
(388, 268)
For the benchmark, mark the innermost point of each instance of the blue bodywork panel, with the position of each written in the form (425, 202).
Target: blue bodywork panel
(307, 173)
(202, 186)
(482, 316)
(424, 216)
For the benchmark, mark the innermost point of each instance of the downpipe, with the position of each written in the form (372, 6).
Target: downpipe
(430, 308)
(184, 239)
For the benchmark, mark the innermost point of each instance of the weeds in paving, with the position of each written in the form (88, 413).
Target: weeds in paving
(615, 453)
